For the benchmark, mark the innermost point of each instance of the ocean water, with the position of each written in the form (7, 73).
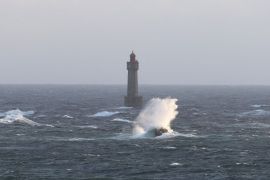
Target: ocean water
(84, 132)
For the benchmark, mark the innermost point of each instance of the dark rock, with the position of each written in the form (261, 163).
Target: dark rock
(159, 132)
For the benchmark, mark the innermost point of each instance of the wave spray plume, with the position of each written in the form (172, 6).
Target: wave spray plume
(158, 113)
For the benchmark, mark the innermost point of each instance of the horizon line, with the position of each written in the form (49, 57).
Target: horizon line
(144, 84)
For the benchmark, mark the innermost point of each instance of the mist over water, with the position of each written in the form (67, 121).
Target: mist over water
(158, 113)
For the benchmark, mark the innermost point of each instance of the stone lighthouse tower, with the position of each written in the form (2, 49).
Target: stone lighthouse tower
(133, 99)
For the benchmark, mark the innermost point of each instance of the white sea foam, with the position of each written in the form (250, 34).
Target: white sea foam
(175, 164)
(81, 139)
(260, 105)
(17, 116)
(104, 114)
(88, 126)
(176, 134)
(189, 135)
(68, 117)
(169, 147)
(122, 120)
(158, 113)
(72, 139)
(173, 134)
(255, 113)
(16, 112)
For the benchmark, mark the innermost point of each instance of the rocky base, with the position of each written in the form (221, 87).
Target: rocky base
(157, 131)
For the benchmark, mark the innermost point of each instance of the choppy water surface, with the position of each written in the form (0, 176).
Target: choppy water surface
(84, 132)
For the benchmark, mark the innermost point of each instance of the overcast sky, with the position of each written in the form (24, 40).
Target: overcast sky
(176, 41)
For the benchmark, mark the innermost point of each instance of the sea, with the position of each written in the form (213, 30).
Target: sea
(85, 132)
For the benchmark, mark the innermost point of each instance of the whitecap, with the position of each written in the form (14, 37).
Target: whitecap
(126, 136)
(88, 126)
(17, 116)
(175, 164)
(260, 105)
(81, 139)
(20, 134)
(122, 120)
(189, 135)
(48, 125)
(176, 134)
(169, 147)
(104, 114)
(68, 117)
(92, 155)
(16, 112)
(168, 135)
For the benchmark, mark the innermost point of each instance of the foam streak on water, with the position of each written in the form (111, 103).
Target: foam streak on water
(259, 105)
(122, 120)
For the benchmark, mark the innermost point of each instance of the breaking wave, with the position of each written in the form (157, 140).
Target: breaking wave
(158, 113)
(104, 114)
(17, 116)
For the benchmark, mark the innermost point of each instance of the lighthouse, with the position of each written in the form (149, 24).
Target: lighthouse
(133, 99)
